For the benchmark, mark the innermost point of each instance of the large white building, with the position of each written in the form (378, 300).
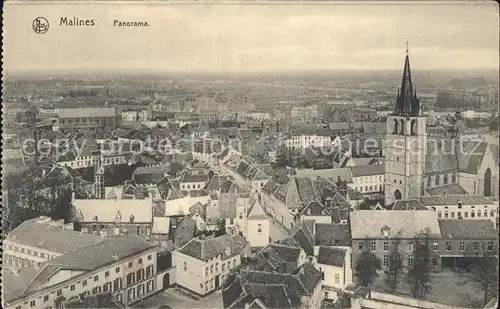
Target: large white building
(38, 240)
(335, 265)
(125, 266)
(462, 207)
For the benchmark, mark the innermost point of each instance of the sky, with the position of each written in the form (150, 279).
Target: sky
(263, 37)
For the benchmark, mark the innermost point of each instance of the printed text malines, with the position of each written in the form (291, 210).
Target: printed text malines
(75, 21)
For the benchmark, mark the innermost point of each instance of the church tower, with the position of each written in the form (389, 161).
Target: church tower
(99, 191)
(405, 143)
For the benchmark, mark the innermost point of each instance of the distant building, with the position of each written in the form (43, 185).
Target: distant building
(70, 119)
(458, 207)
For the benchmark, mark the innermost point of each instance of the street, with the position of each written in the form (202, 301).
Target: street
(178, 298)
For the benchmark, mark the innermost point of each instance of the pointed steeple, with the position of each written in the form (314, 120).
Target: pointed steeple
(407, 103)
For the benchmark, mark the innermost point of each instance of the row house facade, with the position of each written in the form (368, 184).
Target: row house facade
(464, 207)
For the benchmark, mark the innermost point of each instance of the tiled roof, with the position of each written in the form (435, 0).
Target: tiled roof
(450, 189)
(87, 112)
(184, 231)
(368, 170)
(304, 236)
(147, 175)
(199, 209)
(270, 187)
(194, 178)
(286, 253)
(328, 174)
(43, 236)
(368, 223)
(454, 199)
(407, 205)
(331, 256)
(217, 182)
(332, 234)
(256, 211)
(204, 249)
(468, 229)
(272, 295)
(85, 259)
(110, 210)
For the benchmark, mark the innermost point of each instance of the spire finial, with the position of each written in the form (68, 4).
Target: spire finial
(406, 46)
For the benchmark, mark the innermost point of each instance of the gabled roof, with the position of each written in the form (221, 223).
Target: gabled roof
(454, 199)
(256, 211)
(468, 229)
(332, 256)
(368, 223)
(407, 205)
(55, 239)
(187, 178)
(332, 234)
(304, 236)
(109, 210)
(204, 249)
(368, 170)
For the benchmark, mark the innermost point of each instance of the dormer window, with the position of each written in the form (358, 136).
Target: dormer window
(386, 231)
(132, 218)
(460, 204)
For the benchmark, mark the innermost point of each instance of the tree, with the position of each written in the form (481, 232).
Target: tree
(419, 274)
(484, 272)
(395, 270)
(367, 265)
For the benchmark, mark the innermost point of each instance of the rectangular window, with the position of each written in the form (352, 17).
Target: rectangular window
(489, 246)
(223, 267)
(446, 214)
(472, 214)
(59, 292)
(140, 261)
(374, 246)
(386, 260)
(46, 298)
(149, 257)
(84, 282)
(410, 261)
(206, 271)
(466, 214)
(117, 269)
(106, 274)
(216, 267)
(259, 228)
(475, 246)
(435, 246)
(360, 245)
(130, 264)
(459, 215)
(452, 214)
(492, 213)
(185, 266)
(72, 287)
(337, 278)
(211, 269)
(439, 214)
(462, 246)
(448, 246)
(96, 278)
(32, 303)
(386, 246)
(485, 213)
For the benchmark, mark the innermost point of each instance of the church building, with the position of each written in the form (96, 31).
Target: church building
(417, 164)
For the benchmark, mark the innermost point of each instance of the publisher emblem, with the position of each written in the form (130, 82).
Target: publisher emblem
(40, 25)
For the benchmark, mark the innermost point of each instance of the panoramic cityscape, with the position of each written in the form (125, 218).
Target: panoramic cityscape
(250, 156)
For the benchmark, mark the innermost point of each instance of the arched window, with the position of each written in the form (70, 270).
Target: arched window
(402, 127)
(429, 182)
(487, 182)
(445, 179)
(437, 180)
(397, 195)
(396, 127)
(413, 127)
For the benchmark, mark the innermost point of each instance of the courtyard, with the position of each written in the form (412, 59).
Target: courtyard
(177, 298)
(447, 287)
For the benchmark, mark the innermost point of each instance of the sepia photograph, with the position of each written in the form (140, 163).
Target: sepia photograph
(250, 154)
